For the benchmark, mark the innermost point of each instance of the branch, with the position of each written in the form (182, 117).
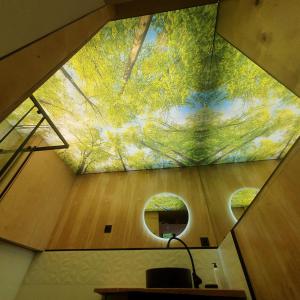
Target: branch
(252, 137)
(179, 163)
(59, 107)
(69, 77)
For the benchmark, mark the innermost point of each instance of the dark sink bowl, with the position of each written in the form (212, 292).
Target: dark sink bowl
(169, 278)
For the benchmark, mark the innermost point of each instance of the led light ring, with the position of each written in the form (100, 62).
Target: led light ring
(187, 227)
(230, 198)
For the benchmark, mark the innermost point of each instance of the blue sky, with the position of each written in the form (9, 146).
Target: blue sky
(151, 35)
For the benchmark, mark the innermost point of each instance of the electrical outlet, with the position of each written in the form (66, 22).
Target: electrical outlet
(107, 228)
(204, 241)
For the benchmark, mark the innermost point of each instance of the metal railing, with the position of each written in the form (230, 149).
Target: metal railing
(23, 147)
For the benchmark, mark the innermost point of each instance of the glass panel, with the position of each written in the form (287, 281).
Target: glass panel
(13, 133)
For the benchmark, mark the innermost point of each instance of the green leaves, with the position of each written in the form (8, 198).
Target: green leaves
(165, 202)
(139, 96)
(243, 197)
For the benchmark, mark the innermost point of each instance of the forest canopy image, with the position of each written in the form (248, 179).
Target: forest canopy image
(163, 91)
(165, 202)
(243, 197)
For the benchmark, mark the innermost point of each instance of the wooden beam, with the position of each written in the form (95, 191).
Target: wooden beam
(268, 32)
(129, 9)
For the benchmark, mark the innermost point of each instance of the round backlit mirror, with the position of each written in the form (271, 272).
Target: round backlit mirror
(166, 214)
(240, 200)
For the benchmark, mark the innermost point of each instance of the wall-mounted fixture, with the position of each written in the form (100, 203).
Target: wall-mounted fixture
(196, 279)
(173, 277)
(204, 242)
(107, 228)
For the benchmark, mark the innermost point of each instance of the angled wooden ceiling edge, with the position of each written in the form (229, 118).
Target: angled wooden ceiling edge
(26, 69)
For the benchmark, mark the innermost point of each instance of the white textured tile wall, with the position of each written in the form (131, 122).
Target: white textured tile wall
(74, 274)
(232, 268)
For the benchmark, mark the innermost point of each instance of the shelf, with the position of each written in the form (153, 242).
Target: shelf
(168, 293)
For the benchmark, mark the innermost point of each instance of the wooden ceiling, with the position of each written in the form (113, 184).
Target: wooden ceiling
(134, 8)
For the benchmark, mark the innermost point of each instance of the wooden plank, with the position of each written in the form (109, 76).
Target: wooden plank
(238, 294)
(268, 235)
(129, 9)
(220, 181)
(268, 32)
(152, 221)
(118, 199)
(31, 207)
(24, 71)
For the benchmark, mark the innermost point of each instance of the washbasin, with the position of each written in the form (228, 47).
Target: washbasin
(168, 278)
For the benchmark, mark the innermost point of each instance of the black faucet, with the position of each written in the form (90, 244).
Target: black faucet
(196, 279)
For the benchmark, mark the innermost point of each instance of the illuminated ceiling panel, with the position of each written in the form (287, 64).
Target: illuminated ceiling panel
(163, 91)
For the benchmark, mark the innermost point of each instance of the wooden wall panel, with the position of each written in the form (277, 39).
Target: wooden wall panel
(220, 181)
(30, 208)
(152, 221)
(23, 72)
(268, 32)
(268, 235)
(43, 198)
(118, 199)
(19, 163)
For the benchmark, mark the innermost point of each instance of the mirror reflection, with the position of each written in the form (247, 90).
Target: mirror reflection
(166, 214)
(240, 200)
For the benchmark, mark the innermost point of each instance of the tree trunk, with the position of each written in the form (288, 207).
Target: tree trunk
(82, 164)
(138, 41)
(121, 159)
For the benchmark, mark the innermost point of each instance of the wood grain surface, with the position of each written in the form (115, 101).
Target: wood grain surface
(220, 181)
(30, 208)
(118, 199)
(268, 235)
(268, 32)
